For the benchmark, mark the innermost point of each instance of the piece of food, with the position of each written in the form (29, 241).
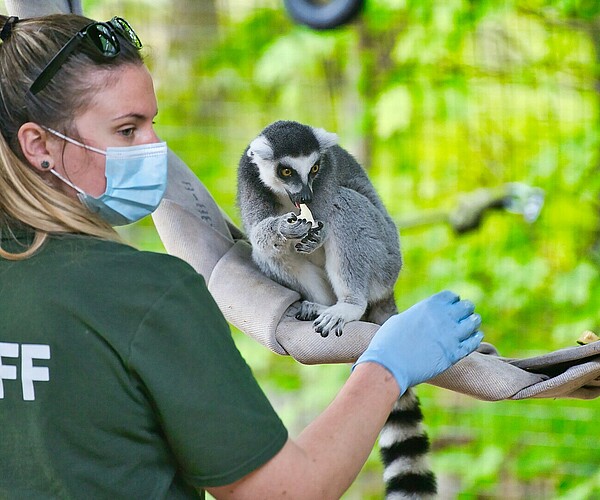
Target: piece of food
(587, 337)
(305, 213)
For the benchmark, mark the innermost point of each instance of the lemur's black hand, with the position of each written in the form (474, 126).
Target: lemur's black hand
(292, 228)
(311, 241)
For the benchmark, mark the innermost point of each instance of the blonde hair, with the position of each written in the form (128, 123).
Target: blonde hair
(25, 199)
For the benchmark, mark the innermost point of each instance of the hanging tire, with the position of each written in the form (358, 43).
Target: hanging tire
(323, 16)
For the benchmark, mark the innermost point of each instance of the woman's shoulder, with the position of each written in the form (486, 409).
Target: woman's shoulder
(118, 261)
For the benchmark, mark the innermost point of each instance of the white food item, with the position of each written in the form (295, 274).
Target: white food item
(305, 213)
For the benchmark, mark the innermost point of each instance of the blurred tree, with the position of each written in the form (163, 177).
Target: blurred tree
(581, 16)
(192, 24)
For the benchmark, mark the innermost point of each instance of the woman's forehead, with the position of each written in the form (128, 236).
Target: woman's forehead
(126, 90)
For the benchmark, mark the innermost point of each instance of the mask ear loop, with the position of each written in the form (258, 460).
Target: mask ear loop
(73, 141)
(67, 182)
(76, 143)
(7, 28)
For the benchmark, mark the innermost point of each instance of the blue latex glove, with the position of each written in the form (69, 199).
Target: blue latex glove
(426, 339)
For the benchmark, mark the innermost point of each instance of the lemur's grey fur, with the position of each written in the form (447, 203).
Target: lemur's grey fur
(345, 266)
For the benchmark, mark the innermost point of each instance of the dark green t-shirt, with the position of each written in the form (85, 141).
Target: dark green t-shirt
(119, 379)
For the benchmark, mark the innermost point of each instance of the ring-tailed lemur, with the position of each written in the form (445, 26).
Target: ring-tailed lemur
(344, 263)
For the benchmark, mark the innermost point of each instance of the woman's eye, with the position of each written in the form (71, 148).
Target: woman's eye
(127, 132)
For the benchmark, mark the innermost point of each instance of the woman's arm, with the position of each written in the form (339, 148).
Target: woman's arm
(408, 349)
(328, 455)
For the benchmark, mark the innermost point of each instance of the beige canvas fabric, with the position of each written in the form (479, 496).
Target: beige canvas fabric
(35, 8)
(192, 227)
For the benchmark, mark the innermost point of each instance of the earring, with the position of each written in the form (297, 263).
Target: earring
(45, 164)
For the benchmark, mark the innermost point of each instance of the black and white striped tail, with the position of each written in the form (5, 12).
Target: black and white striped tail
(403, 446)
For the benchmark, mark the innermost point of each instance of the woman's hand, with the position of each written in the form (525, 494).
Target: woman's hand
(426, 339)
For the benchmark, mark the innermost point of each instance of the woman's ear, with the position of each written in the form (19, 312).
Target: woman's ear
(34, 141)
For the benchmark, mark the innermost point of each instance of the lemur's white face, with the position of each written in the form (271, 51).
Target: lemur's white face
(288, 174)
(290, 178)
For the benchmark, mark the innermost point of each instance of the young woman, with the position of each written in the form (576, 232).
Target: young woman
(118, 375)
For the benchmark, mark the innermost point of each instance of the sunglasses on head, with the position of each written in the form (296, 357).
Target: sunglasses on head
(100, 36)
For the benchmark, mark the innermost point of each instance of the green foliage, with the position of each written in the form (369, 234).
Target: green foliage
(438, 99)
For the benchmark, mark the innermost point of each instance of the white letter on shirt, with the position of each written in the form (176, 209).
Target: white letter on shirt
(7, 372)
(30, 373)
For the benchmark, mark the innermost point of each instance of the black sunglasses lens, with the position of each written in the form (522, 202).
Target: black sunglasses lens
(102, 36)
(126, 30)
(103, 39)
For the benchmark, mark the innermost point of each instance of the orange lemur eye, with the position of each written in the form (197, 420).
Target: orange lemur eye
(285, 171)
(315, 168)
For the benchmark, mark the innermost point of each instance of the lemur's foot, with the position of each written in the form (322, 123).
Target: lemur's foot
(309, 310)
(335, 317)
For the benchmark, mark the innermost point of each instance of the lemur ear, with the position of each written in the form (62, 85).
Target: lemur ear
(325, 139)
(261, 148)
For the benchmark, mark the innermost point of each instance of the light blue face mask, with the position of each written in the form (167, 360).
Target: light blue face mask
(136, 179)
